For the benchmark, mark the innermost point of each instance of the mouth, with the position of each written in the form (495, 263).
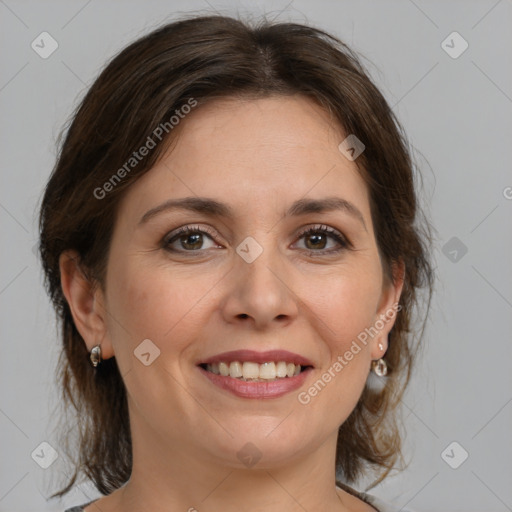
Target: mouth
(250, 371)
(251, 374)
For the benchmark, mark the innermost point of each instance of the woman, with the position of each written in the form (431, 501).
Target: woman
(230, 240)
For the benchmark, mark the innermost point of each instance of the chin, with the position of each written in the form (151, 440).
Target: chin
(260, 444)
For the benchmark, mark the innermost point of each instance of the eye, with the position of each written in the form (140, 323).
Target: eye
(192, 239)
(189, 238)
(316, 239)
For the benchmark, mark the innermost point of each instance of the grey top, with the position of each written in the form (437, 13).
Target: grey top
(378, 504)
(79, 508)
(382, 506)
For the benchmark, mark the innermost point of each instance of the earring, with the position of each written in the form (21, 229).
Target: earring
(95, 355)
(381, 346)
(380, 367)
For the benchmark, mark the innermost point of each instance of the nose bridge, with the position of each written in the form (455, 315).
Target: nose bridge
(260, 289)
(260, 257)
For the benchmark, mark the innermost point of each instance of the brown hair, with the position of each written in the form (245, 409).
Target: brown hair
(141, 88)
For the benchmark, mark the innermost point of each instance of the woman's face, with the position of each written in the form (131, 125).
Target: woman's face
(245, 281)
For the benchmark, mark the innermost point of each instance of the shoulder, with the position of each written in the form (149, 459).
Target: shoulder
(378, 504)
(383, 506)
(79, 508)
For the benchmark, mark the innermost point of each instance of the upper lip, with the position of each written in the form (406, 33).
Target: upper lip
(258, 357)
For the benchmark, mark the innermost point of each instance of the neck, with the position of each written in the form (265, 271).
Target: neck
(165, 478)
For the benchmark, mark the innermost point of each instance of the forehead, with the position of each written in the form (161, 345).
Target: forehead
(252, 152)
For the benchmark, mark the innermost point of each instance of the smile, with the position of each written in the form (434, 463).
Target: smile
(251, 374)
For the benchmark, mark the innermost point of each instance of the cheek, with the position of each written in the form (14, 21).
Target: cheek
(347, 304)
(149, 303)
(164, 307)
(345, 308)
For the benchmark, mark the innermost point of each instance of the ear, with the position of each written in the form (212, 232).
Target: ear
(388, 308)
(86, 302)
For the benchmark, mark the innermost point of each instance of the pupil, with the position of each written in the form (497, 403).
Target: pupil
(318, 239)
(197, 239)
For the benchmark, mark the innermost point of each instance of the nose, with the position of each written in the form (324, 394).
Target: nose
(261, 293)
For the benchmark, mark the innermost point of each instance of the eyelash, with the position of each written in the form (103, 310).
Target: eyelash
(319, 228)
(333, 233)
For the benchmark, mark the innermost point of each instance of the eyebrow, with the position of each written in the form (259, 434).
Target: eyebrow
(214, 208)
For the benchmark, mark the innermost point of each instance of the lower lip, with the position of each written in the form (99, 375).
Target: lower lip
(271, 389)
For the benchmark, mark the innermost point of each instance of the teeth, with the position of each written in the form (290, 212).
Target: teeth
(281, 369)
(235, 369)
(268, 371)
(250, 371)
(224, 369)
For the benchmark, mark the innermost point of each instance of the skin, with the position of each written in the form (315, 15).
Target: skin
(257, 156)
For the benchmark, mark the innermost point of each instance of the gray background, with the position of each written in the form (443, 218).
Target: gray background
(457, 113)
